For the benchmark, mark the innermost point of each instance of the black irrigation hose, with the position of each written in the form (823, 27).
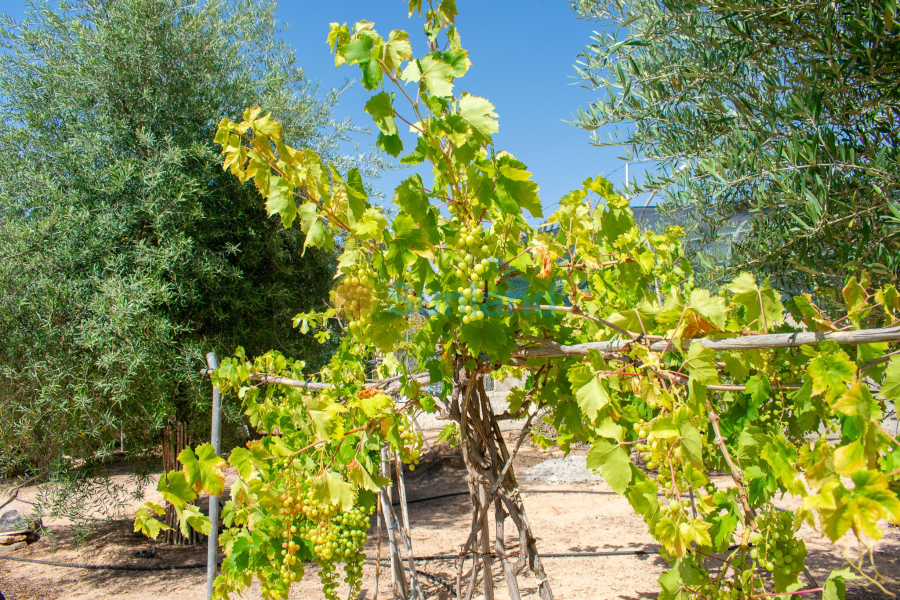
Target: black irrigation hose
(455, 494)
(430, 558)
(106, 567)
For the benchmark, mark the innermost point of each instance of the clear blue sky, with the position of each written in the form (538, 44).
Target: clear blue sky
(522, 53)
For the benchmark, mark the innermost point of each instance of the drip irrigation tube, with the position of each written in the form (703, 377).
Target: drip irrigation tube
(429, 558)
(52, 563)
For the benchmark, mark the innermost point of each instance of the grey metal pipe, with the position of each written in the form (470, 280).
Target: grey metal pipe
(216, 442)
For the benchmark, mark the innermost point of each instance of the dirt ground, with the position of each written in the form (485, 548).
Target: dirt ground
(570, 510)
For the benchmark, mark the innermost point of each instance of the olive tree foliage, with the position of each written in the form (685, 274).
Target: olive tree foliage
(784, 111)
(126, 253)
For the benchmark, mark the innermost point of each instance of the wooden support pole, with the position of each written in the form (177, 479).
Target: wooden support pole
(398, 578)
(748, 342)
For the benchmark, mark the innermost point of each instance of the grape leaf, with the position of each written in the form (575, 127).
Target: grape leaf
(371, 225)
(191, 517)
(280, 200)
(613, 462)
(175, 489)
(849, 459)
(762, 306)
(203, 470)
(145, 524)
(701, 364)
(890, 387)
(411, 198)
(329, 489)
(480, 115)
(488, 336)
(592, 397)
(829, 373)
(381, 107)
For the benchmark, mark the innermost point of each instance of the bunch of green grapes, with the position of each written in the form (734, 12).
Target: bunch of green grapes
(413, 442)
(654, 452)
(341, 539)
(775, 548)
(469, 263)
(354, 293)
(744, 586)
(334, 535)
(292, 530)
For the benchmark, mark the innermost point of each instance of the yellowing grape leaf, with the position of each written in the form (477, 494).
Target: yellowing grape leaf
(146, 524)
(858, 400)
(829, 373)
(360, 477)
(850, 458)
(203, 470)
(191, 517)
(372, 406)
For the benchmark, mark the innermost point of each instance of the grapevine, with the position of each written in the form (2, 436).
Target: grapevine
(616, 345)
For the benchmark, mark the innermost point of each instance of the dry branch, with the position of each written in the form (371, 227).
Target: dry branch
(748, 342)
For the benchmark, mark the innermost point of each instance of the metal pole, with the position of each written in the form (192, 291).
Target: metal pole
(216, 441)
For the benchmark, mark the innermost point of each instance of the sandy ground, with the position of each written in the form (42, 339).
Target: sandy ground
(570, 510)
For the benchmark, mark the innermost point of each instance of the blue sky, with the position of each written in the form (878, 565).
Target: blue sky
(523, 52)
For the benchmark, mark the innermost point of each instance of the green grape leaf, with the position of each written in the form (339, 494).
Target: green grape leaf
(381, 108)
(372, 406)
(701, 364)
(674, 581)
(480, 116)
(762, 306)
(489, 336)
(357, 197)
(691, 443)
(390, 144)
(371, 225)
(592, 397)
(280, 200)
(613, 462)
(410, 196)
(759, 390)
(711, 308)
(436, 74)
(360, 477)
(890, 387)
(642, 495)
(329, 489)
(203, 470)
(175, 489)
(242, 460)
(514, 188)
